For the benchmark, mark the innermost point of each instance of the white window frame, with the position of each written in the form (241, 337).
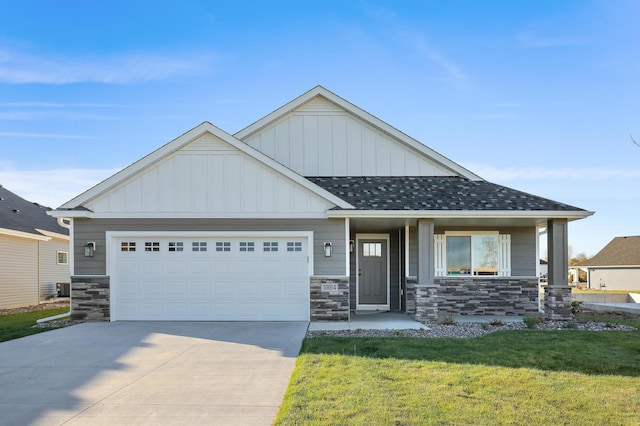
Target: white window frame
(66, 256)
(440, 253)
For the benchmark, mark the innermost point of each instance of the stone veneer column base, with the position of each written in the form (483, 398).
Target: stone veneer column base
(557, 302)
(329, 298)
(426, 302)
(90, 298)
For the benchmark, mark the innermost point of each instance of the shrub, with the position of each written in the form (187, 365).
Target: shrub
(531, 322)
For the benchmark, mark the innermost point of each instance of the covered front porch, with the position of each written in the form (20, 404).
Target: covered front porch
(409, 266)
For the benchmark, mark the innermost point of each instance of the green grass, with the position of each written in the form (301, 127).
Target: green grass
(13, 326)
(511, 377)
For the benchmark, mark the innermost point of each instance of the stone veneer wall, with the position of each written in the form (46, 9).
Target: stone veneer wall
(410, 292)
(557, 302)
(90, 298)
(330, 303)
(487, 296)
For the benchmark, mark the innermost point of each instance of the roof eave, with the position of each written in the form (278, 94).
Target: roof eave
(461, 214)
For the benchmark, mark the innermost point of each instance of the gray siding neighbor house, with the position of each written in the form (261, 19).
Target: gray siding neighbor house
(312, 212)
(34, 252)
(615, 267)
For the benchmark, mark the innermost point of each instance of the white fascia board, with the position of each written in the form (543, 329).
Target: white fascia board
(363, 115)
(180, 142)
(182, 215)
(53, 234)
(20, 234)
(69, 214)
(460, 214)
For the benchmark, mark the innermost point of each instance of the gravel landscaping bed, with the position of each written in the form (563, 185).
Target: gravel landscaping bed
(470, 329)
(40, 307)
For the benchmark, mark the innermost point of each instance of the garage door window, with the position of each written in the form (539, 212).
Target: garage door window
(152, 246)
(270, 246)
(247, 246)
(128, 246)
(294, 246)
(223, 246)
(199, 246)
(176, 246)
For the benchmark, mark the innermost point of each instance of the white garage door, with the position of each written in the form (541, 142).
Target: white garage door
(210, 278)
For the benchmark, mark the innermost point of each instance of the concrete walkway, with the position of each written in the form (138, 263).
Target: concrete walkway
(629, 308)
(149, 373)
(370, 321)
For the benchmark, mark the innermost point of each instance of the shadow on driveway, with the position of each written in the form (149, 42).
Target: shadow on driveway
(149, 373)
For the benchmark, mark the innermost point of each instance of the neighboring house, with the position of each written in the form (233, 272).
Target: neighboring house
(34, 252)
(615, 267)
(316, 210)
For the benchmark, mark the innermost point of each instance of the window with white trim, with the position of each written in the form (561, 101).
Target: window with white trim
(62, 258)
(294, 246)
(223, 246)
(270, 246)
(152, 246)
(198, 246)
(472, 253)
(176, 246)
(128, 246)
(247, 246)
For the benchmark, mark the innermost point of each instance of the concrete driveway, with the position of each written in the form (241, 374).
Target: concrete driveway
(149, 373)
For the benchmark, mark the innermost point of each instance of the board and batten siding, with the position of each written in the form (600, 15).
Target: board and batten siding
(523, 249)
(18, 272)
(321, 139)
(330, 230)
(210, 176)
(51, 272)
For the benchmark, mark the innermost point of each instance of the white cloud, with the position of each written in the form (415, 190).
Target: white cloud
(22, 68)
(52, 188)
(43, 136)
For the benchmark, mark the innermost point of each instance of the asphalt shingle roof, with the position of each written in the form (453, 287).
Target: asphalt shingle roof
(433, 193)
(18, 214)
(619, 251)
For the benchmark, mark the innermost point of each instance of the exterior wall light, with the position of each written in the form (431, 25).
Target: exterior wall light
(327, 249)
(352, 245)
(89, 249)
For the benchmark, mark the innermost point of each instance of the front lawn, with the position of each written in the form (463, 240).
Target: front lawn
(13, 326)
(511, 377)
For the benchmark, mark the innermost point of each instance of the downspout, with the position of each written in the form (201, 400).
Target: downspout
(61, 222)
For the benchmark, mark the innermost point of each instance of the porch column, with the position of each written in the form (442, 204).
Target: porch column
(557, 294)
(426, 267)
(426, 291)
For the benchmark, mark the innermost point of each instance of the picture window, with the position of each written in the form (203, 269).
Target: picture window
(62, 258)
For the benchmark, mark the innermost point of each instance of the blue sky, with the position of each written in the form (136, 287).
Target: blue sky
(537, 95)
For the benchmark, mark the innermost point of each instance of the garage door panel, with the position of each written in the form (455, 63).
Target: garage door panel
(232, 278)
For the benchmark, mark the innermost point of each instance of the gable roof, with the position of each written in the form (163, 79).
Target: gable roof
(321, 92)
(20, 217)
(76, 208)
(621, 251)
(433, 193)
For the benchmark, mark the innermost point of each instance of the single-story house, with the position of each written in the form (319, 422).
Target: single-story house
(316, 210)
(34, 252)
(615, 267)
